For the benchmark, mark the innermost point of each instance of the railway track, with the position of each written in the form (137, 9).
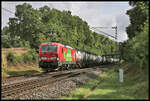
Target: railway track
(15, 88)
(20, 77)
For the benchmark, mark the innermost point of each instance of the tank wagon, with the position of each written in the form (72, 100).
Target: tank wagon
(57, 56)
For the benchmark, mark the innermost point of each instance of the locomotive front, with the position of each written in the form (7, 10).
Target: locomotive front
(48, 55)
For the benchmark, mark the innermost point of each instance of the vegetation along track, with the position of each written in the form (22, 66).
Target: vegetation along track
(11, 89)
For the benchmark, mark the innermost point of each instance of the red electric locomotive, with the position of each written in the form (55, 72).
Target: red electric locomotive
(54, 56)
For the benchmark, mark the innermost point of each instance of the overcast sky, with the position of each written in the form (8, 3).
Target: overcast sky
(96, 14)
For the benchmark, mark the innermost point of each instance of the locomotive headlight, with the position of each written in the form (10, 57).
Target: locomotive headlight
(57, 58)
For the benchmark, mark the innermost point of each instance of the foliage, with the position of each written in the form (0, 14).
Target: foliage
(30, 56)
(27, 57)
(34, 55)
(136, 48)
(30, 27)
(19, 59)
(10, 57)
(137, 22)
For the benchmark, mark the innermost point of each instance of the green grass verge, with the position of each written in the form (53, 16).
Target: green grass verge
(133, 87)
(23, 70)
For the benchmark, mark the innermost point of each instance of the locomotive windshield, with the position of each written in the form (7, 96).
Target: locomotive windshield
(49, 48)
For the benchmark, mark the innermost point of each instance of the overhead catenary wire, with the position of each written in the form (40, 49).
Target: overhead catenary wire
(8, 10)
(102, 31)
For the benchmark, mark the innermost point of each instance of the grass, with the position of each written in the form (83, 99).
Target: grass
(20, 69)
(16, 69)
(135, 86)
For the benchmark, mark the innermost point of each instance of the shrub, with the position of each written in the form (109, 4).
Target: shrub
(30, 56)
(19, 59)
(10, 57)
(35, 55)
(27, 57)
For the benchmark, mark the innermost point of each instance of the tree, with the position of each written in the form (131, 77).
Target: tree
(136, 48)
(137, 22)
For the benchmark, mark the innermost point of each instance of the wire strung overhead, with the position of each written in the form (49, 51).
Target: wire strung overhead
(8, 10)
(102, 32)
(97, 29)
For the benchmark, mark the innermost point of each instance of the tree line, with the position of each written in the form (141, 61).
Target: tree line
(135, 49)
(30, 27)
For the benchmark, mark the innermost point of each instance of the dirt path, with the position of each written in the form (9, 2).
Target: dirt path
(92, 89)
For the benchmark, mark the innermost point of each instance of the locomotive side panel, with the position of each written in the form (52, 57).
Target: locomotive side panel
(73, 51)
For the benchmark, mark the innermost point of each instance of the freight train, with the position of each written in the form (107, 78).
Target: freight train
(57, 56)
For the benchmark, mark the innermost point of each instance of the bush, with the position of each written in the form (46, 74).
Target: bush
(19, 59)
(30, 56)
(27, 57)
(35, 55)
(11, 57)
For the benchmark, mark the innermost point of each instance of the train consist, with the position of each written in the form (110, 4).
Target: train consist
(57, 56)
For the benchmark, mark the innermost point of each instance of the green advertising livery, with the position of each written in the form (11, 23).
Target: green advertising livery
(68, 56)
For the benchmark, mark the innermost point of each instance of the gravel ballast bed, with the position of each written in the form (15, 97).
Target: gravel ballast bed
(57, 89)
